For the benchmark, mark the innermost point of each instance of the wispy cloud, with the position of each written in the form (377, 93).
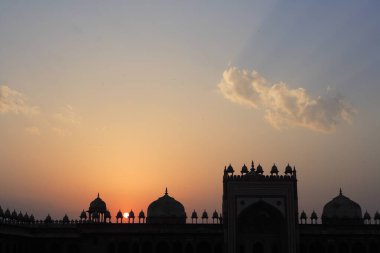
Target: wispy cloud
(33, 130)
(13, 101)
(67, 115)
(283, 106)
(61, 131)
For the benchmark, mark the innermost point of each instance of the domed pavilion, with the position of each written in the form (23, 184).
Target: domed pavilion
(342, 210)
(166, 210)
(97, 210)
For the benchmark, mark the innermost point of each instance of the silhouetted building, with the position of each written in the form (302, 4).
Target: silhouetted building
(259, 214)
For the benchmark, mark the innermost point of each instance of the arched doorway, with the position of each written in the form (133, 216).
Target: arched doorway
(261, 222)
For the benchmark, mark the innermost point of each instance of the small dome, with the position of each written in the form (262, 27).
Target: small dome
(230, 169)
(259, 169)
(342, 210)
(377, 216)
(98, 205)
(166, 210)
(83, 215)
(194, 215)
(366, 216)
(119, 215)
(31, 218)
(303, 215)
(7, 214)
(20, 216)
(288, 169)
(204, 215)
(65, 219)
(244, 169)
(14, 215)
(142, 214)
(314, 215)
(131, 214)
(48, 219)
(26, 217)
(274, 170)
(215, 215)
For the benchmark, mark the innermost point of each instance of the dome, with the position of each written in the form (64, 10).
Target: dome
(194, 215)
(342, 210)
(288, 169)
(166, 210)
(259, 169)
(98, 205)
(65, 219)
(274, 170)
(244, 169)
(230, 169)
(142, 214)
(119, 215)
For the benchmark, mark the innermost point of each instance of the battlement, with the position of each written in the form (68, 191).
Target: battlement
(257, 174)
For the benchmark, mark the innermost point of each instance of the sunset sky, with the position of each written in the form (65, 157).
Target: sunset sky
(126, 98)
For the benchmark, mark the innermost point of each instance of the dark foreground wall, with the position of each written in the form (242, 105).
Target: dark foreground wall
(111, 238)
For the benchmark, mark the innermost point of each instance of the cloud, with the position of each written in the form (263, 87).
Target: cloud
(33, 130)
(67, 115)
(12, 101)
(60, 131)
(283, 106)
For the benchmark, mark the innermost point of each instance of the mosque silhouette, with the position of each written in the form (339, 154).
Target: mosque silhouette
(259, 214)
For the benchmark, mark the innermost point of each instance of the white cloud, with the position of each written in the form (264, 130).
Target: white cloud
(33, 130)
(284, 106)
(12, 101)
(67, 115)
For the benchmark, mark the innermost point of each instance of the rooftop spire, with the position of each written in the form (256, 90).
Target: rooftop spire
(340, 191)
(166, 191)
(98, 194)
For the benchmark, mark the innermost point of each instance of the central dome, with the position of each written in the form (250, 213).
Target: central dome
(97, 205)
(166, 210)
(342, 210)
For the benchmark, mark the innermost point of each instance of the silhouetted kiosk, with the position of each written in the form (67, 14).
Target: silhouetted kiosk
(131, 216)
(119, 217)
(194, 216)
(204, 217)
(141, 216)
(97, 210)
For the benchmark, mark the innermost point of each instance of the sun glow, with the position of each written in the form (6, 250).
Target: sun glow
(126, 215)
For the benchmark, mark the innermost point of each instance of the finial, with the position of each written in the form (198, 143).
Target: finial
(98, 194)
(340, 191)
(166, 191)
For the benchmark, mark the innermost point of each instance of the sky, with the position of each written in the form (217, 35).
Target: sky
(126, 98)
